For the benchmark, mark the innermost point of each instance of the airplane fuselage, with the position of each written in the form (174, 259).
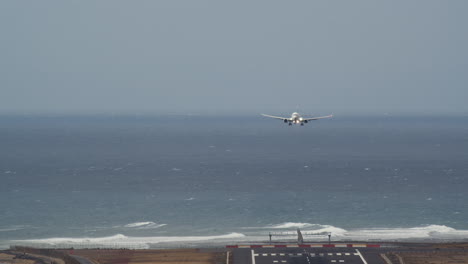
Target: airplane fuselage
(296, 118)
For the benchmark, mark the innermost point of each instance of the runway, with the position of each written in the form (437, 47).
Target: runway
(306, 256)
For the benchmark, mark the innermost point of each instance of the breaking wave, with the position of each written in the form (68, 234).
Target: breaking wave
(285, 232)
(144, 225)
(13, 228)
(290, 225)
(431, 232)
(307, 228)
(320, 232)
(122, 241)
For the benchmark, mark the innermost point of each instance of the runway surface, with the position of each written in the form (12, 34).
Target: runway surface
(307, 256)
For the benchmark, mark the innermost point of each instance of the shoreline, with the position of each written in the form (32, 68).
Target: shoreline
(245, 244)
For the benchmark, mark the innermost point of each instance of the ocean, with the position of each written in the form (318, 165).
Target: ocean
(146, 181)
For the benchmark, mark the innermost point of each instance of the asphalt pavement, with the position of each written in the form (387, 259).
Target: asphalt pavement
(306, 256)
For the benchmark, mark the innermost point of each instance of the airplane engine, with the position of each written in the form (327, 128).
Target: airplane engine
(285, 120)
(305, 121)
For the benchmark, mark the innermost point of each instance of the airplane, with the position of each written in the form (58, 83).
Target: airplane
(296, 118)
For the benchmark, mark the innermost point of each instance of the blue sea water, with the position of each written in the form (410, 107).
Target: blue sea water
(147, 180)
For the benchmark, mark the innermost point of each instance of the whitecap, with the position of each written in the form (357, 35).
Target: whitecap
(144, 225)
(325, 229)
(290, 225)
(311, 232)
(412, 233)
(122, 241)
(320, 232)
(138, 224)
(12, 228)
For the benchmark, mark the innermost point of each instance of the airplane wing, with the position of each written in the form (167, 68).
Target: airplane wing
(318, 117)
(277, 117)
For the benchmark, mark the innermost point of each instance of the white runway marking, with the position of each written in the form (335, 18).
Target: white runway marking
(360, 255)
(253, 257)
(341, 260)
(347, 254)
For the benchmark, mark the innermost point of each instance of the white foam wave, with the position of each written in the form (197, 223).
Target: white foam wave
(427, 232)
(290, 225)
(312, 232)
(59, 240)
(12, 228)
(138, 224)
(289, 228)
(144, 225)
(120, 240)
(9, 229)
(325, 229)
(320, 232)
(430, 232)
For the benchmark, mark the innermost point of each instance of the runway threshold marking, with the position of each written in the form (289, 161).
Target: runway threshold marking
(360, 255)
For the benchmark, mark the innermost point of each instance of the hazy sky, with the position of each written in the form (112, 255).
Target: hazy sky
(198, 57)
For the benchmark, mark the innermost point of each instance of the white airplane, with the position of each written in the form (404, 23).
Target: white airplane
(296, 118)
